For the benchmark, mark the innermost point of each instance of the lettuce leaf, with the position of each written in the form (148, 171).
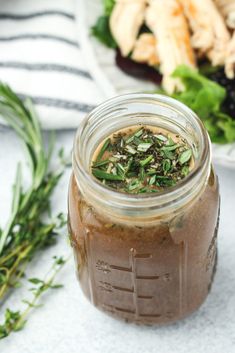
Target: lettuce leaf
(102, 32)
(205, 98)
(101, 29)
(108, 6)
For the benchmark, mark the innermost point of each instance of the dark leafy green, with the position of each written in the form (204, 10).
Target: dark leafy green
(101, 31)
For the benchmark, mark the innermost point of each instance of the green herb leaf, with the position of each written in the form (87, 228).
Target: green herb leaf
(107, 176)
(161, 137)
(152, 180)
(35, 280)
(137, 134)
(134, 184)
(166, 165)
(102, 150)
(168, 154)
(185, 156)
(121, 170)
(131, 149)
(185, 170)
(170, 147)
(143, 147)
(100, 163)
(146, 160)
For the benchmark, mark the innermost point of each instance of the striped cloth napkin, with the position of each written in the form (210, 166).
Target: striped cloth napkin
(40, 57)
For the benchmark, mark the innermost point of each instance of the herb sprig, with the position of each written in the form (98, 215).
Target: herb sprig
(16, 320)
(142, 161)
(27, 231)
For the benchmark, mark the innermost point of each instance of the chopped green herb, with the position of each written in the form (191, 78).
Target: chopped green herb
(166, 165)
(146, 160)
(142, 174)
(129, 164)
(161, 137)
(152, 180)
(185, 156)
(107, 176)
(151, 171)
(134, 184)
(143, 147)
(100, 163)
(185, 170)
(130, 139)
(170, 147)
(139, 133)
(131, 149)
(121, 170)
(141, 161)
(168, 154)
(137, 141)
(103, 149)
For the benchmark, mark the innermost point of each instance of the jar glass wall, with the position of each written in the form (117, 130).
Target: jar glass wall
(146, 258)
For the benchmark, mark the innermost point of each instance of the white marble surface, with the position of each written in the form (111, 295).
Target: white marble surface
(68, 323)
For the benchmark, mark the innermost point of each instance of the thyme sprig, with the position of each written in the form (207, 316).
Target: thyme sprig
(16, 320)
(141, 161)
(27, 231)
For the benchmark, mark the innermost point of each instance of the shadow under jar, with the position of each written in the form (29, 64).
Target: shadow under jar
(144, 258)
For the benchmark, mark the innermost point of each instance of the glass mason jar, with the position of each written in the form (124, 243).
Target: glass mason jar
(144, 258)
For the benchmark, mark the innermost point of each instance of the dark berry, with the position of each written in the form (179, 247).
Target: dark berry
(229, 102)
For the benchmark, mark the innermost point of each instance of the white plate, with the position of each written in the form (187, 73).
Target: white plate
(111, 80)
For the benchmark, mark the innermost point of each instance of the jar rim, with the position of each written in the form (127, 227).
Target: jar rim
(170, 193)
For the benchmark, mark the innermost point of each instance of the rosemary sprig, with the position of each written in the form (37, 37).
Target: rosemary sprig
(16, 320)
(141, 161)
(27, 231)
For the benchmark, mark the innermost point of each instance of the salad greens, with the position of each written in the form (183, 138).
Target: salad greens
(101, 29)
(108, 6)
(102, 32)
(205, 98)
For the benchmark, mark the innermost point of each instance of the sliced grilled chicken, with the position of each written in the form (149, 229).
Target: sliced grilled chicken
(145, 50)
(210, 34)
(125, 22)
(166, 20)
(230, 59)
(227, 8)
